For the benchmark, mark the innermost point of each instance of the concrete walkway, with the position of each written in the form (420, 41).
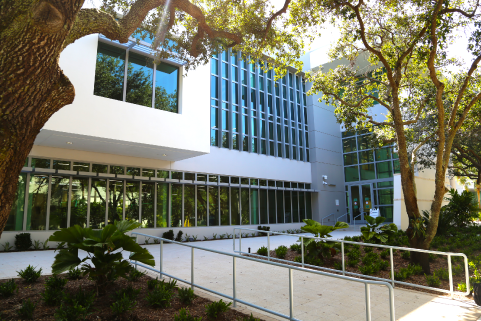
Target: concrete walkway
(315, 297)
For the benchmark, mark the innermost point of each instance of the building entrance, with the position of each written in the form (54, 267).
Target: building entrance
(360, 202)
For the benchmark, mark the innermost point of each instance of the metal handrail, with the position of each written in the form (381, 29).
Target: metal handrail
(322, 219)
(344, 272)
(337, 220)
(367, 283)
(354, 219)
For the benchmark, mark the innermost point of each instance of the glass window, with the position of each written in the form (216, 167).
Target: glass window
(133, 171)
(162, 174)
(280, 206)
(189, 176)
(189, 205)
(109, 72)
(367, 172)
(15, 219)
(62, 165)
(201, 205)
(214, 87)
(176, 201)
(234, 180)
(224, 206)
(224, 179)
(37, 202)
(295, 207)
(98, 193)
(214, 68)
(254, 194)
(387, 212)
(397, 166)
(139, 80)
(308, 206)
(386, 196)
(148, 195)
(99, 168)
(162, 205)
(177, 175)
(366, 156)
(225, 90)
(272, 206)
(383, 154)
(213, 206)
(385, 184)
(287, 204)
(78, 200)
(132, 200)
(117, 170)
(349, 145)
(351, 173)
(116, 201)
(235, 207)
(350, 159)
(245, 206)
(263, 206)
(40, 163)
(148, 172)
(302, 207)
(364, 142)
(202, 177)
(59, 202)
(213, 178)
(384, 169)
(81, 167)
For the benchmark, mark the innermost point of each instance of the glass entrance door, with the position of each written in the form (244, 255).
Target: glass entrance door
(360, 201)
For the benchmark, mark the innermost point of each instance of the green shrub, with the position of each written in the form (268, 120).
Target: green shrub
(296, 247)
(382, 265)
(377, 233)
(298, 259)
(30, 274)
(352, 262)
(151, 284)
(458, 270)
(443, 274)
(249, 318)
(27, 309)
(217, 307)
(184, 315)
(52, 296)
(23, 241)
(160, 297)
(338, 265)
(123, 305)
(313, 261)
(405, 255)
(367, 269)
(71, 312)
(74, 274)
(178, 238)
(104, 248)
(433, 280)
(462, 287)
(128, 292)
(37, 245)
(399, 276)
(368, 249)
(135, 275)
(432, 257)
(459, 212)
(354, 255)
(6, 247)
(384, 254)
(281, 252)
(8, 288)
(415, 269)
(370, 258)
(169, 235)
(262, 251)
(78, 298)
(55, 282)
(186, 295)
(172, 284)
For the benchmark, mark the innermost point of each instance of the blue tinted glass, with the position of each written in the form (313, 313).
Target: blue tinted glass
(214, 87)
(139, 81)
(166, 81)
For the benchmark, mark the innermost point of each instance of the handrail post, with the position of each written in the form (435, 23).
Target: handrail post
(234, 294)
(466, 272)
(291, 295)
(368, 301)
(240, 241)
(342, 255)
(392, 265)
(192, 268)
(268, 246)
(302, 250)
(161, 255)
(136, 239)
(391, 305)
(233, 241)
(450, 276)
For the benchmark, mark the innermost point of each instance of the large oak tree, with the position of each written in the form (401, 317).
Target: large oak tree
(408, 68)
(33, 34)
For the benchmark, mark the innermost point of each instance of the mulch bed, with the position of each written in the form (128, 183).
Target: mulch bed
(440, 263)
(101, 307)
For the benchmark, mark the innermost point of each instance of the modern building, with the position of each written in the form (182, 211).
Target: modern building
(224, 145)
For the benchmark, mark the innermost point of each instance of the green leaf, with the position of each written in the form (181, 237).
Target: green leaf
(369, 219)
(143, 257)
(380, 220)
(125, 226)
(73, 234)
(65, 260)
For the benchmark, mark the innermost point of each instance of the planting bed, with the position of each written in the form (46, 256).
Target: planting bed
(101, 308)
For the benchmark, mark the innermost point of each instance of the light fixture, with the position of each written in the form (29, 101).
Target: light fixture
(164, 155)
(70, 143)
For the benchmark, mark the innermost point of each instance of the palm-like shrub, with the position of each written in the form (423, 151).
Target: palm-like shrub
(104, 262)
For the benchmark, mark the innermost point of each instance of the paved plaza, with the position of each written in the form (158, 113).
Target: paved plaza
(316, 297)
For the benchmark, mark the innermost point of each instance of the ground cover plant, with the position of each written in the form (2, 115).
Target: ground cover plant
(122, 300)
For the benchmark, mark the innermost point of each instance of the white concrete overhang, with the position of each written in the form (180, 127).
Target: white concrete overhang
(71, 141)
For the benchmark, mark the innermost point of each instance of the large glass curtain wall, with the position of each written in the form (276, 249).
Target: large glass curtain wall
(124, 75)
(250, 111)
(56, 201)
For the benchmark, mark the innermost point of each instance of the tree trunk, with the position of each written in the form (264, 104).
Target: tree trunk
(422, 259)
(32, 34)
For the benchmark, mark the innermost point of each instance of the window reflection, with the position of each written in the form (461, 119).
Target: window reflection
(59, 202)
(148, 195)
(78, 206)
(37, 203)
(132, 201)
(15, 219)
(98, 195)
